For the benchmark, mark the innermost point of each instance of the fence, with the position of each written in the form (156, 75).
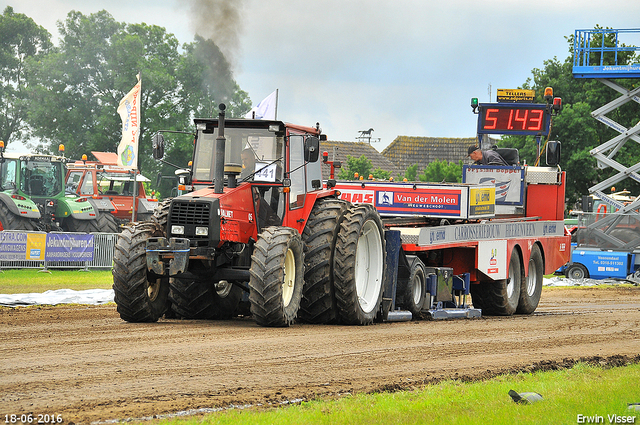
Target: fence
(104, 246)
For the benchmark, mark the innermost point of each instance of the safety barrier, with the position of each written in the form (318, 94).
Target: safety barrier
(104, 246)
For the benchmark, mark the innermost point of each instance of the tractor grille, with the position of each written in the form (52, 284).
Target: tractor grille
(192, 214)
(185, 213)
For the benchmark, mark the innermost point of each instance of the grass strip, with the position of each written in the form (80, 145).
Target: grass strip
(582, 394)
(26, 281)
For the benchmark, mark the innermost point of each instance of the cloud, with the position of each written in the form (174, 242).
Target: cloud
(401, 67)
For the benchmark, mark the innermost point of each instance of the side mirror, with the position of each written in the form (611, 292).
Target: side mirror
(553, 153)
(311, 149)
(157, 142)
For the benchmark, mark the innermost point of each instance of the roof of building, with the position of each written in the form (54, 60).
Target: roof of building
(406, 151)
(342, 150)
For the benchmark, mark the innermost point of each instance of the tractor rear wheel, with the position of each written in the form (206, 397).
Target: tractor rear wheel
(359, 265)
(9, 221)
(277, 276)
(104, 223)
(532, 285)
(107, 223)
(318, 301)
(500, 297)
(139, 295)
(413, 291)
(193, 299)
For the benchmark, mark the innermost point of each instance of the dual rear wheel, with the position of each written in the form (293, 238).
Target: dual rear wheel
(345, 258)
(516, 294)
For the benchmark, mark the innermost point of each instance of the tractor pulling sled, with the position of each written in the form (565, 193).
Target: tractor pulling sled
(258, 227)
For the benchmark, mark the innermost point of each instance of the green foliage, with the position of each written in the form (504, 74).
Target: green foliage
(578, 132)
(361, 165)
(381, 174)
(411, 174)
(76, 89)
(442, 171)
(22, 40)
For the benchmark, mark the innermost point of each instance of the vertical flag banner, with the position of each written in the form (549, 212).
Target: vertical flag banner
(265, 110)
(129, 111)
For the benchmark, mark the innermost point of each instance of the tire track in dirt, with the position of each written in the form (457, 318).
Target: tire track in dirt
(88, 365)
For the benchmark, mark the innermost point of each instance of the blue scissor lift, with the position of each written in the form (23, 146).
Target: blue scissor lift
(599, 54)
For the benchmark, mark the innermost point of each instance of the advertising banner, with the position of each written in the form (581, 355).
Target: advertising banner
(69, 247)
(20, 246)
(509, 182)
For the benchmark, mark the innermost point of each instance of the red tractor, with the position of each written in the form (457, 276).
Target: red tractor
(257, 226)
(111, 188)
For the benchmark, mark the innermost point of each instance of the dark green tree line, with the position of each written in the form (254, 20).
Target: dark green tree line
(70, 93)
(22, 40)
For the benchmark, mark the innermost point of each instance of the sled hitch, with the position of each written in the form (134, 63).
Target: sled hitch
(177, 256)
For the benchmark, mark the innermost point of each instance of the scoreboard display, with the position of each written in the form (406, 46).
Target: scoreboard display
(513, 118)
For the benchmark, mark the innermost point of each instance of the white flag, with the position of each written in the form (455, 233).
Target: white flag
(266, 110)
(129, 111)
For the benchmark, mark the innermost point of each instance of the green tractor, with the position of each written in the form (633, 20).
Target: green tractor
(33, 197)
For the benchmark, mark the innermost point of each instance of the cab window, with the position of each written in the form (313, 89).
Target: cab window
(298, 178)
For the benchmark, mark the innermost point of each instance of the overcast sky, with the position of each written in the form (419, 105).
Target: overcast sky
(401, 67)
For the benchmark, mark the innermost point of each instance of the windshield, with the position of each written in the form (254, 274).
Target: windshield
(254, 149)
(8, 174)
(40, 178)
(115, 183)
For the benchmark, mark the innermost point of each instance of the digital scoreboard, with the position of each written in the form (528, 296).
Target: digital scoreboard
(513, 118)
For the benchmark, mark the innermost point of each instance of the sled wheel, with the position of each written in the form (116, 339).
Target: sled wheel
(277, 276)
(413, 291)
(318, 301)
(532, 284)
(359, 265)
(139, 295)
(577, 271)
(500, 297)
(10, 221)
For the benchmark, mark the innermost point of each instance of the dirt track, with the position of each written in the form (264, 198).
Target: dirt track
(88, 365)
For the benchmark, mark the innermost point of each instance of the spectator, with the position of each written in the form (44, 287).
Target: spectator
(485, 157)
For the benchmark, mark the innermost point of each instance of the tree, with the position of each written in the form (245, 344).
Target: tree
(442, 171)
(574, 127)
(77, 88)
(22, 39)
(411, 173)
(361, 165)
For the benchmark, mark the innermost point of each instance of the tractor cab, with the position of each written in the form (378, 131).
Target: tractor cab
(33, 196)
(265, 170)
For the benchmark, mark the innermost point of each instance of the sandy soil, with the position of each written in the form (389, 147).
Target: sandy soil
(87, 365)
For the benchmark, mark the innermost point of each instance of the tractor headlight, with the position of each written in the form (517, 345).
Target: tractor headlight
(202, 231)
(177, 230)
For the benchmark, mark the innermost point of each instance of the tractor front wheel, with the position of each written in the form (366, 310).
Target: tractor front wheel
(139, 295)
(277, 276)
(193, 299)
